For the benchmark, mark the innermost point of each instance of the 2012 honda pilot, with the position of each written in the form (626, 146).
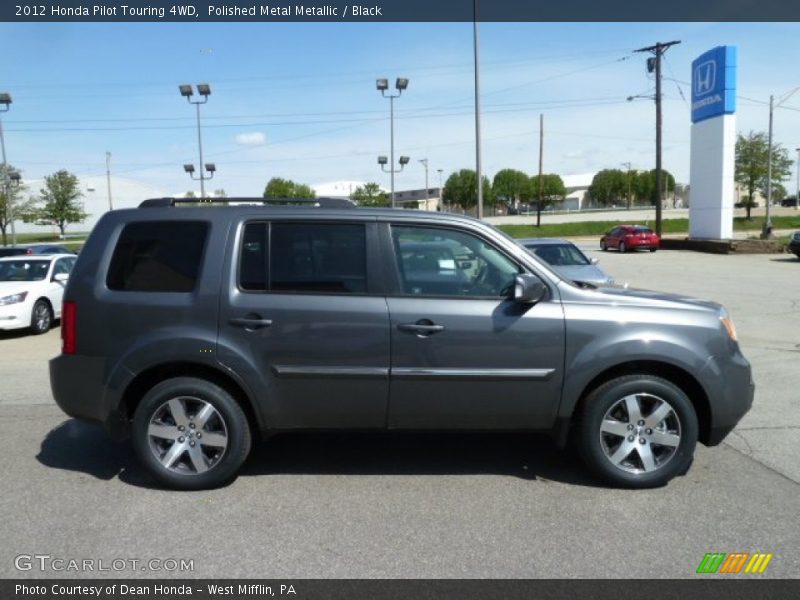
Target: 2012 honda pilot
(197, 329)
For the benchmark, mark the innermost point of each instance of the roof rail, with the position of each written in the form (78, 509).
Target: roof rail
(315, 202)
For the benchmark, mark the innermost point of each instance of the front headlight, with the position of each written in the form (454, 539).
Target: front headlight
(13, 298)
(727, 323)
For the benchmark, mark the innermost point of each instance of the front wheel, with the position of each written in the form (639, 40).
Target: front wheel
(653, 249)
(190, 434)
(638, 431)
(603, 245)
(622, 247)
(41, 317)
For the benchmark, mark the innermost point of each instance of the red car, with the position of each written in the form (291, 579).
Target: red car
(630, 237)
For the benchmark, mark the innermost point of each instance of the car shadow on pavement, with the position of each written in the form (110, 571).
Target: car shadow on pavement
(786, 259)
(85, 448)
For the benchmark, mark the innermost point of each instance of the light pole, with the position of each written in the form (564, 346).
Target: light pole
(627, 165)
(478, 167)
(210, 168)
(383, 161)
(205, 91)
(797, 193)
(441, 190)
(382, 85)
(766, 232)
(5, 105)
(424, 161)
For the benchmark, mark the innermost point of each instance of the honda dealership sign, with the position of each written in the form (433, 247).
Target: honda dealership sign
(714, 84)
(711, 170)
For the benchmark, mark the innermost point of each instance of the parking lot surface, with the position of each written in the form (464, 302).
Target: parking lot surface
(455, 505)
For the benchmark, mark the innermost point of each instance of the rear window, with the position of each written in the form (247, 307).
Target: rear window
(304, 257)
(158, 256)
(643, 230)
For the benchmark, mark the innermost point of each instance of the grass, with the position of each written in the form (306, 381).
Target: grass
(597, 228)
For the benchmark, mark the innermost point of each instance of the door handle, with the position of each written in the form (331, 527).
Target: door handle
(421, 328)
(250, 322)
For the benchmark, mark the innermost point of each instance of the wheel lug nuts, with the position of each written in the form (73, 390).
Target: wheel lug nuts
(181, 439)
(199, 435)
(631, 438)
(641, 440)
(630, 427)
(191, 444)
(181, 428)
(641, 423)
(192, 425)
(649, 432)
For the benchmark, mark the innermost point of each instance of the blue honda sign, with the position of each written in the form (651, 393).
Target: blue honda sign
(714, 83)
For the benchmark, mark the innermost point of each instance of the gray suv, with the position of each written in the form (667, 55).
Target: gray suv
(196, 329)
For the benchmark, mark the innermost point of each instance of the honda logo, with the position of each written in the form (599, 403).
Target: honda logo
(705, 77)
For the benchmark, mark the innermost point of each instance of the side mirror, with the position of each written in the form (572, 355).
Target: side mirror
(528, 289)
(60, 277)
(594, 261)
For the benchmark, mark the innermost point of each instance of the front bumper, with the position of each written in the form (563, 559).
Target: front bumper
(729, 381)
(15, 316)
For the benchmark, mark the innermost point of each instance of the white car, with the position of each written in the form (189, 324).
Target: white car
(31, 290)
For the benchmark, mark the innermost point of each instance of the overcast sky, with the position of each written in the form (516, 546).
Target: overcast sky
(298, 100)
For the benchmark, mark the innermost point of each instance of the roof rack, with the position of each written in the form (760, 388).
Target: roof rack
(315, 202)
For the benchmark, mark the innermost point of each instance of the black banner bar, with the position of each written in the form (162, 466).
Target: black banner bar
(733, 588)
(396, 10)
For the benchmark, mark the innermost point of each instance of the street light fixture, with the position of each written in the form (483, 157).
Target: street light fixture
(210, 168)
(382, 85)
(5, 105)
(384, 162)
(187, 92)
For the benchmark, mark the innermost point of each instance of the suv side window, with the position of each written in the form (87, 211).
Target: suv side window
(445, 262)
(158, 256)
(328, 258)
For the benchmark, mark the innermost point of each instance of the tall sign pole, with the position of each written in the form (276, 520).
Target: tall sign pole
(478, 170)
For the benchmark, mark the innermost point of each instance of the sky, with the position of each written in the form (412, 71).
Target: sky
(298, 100)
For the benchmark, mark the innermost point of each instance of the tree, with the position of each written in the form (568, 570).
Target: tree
(644, 184)
(461, 189)
(11, 205)
(370, 194)
(608, 186)
(220, 193)
(58, 201)
(751, 165)
(553, 189)
(286, 188)
(511, 186)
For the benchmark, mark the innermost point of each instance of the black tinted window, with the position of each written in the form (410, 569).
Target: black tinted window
(315, 257)
(158, 256)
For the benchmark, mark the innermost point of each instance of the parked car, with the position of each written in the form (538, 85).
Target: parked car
(630, 237)
(566, 258)
(31, 289)
(794, 243)
(196, 331)
(789, 202)
(34, 249)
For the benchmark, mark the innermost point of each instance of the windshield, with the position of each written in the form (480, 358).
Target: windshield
(560, 255)
(24, 270)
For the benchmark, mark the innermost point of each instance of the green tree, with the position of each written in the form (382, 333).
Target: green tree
(12, 207)
(751, 165)
(511, 186)
(644, 185)
(608, 186)
(286, 188)
(370, 194)
(461, 189)
(553, 189)
(58, 201)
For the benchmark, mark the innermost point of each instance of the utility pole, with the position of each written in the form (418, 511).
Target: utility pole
(541, 175)
(627, 165)
(441, 190)
(657, 50)
(108, 180)
(478, 170)
(797, 193)
(424, 161)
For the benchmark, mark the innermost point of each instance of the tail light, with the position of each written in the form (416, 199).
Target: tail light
(68, 325)
(29, 251)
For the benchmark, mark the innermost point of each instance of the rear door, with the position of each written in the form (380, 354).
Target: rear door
(465, 356)
(303, 313)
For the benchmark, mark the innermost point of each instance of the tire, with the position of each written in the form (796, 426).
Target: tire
(603, 245)
(626, 452)
(41, 317)
(621, 247)
(205, 425)
(653, 249)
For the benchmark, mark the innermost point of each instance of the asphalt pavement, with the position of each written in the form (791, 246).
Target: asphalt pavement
(455, 505)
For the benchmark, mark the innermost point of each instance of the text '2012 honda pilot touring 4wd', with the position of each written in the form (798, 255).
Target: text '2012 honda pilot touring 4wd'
(196, 329)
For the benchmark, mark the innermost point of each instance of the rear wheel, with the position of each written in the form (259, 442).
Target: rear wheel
(653, 249)
(622, 247)
(638, 431)
(41, 317)
(190, 434)
(603, 245)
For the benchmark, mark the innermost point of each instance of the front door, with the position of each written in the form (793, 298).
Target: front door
(464, 355)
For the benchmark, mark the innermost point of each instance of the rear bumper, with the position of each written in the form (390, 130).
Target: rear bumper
(732, 393)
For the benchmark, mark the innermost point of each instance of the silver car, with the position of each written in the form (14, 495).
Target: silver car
(566, 258)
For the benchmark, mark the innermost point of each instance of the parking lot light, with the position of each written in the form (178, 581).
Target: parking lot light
(188, 168)
(187, 92)
(383, 85)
